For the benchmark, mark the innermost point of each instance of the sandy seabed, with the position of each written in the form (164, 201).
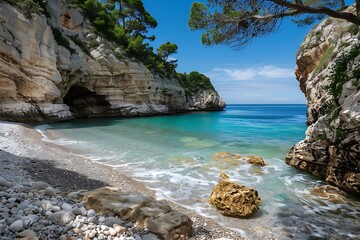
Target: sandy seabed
(23, 155)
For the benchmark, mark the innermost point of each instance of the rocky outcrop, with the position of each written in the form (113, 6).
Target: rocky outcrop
(55, 67)
(328, 71)
(156, 216)
(233, 199)
(206, 100)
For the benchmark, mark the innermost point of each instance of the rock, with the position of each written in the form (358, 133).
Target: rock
(156, 216)
(4, 182)
(331, 146)
(110, 221)
(16, 226)
(331, 193)
(66, 206)
(232, 158)
(26, 233)
(255, 160)
(76, 195)
(50, 191)
(91, 213)
(235, 200)
(120, 229)
(63, 217)
(39, 186)
(149, 236)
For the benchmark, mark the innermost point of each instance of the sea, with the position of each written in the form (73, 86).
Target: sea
(176, 155)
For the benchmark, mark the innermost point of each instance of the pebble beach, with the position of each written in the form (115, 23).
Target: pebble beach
(39, 188)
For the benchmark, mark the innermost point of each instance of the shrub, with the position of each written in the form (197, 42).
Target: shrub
(61, 40)
(339, 75)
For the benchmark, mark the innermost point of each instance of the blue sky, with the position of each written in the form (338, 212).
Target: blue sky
(263, 72)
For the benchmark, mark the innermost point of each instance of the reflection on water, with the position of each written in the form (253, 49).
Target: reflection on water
(178, 156)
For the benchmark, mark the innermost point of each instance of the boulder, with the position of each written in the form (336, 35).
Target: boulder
(233, 199)
(156, 216)
(256, 160)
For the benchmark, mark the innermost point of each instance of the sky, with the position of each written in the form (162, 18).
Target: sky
(261, 73)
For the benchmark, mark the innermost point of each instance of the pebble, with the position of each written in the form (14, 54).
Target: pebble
(4, 183)
(91, 213)
(42, 213)
(39, 185)
(16, 226)
(50, 191)
(66, 206)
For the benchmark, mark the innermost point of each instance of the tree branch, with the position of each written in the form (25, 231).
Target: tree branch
(322, 10)
(243, 19)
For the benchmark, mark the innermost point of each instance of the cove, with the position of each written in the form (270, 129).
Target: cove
(175, 155)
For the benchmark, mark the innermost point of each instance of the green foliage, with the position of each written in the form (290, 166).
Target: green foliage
(321, 138)
(237, 23)
(354, 29)
(80, 43)
(343, 44)
(318, 34)
(339, 75)
(166, 49)
(326, 58)
(338, 133)
(61, 40)
(194, 81)
(29, 6)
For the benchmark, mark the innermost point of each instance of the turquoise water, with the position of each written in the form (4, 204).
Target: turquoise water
(175, 155)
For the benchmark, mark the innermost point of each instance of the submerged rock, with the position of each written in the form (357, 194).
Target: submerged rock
(331, 193)
(156, 216)
(233, 199)
(235, 158)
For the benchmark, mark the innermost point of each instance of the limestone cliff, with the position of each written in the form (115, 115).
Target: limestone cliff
(328, 69)
(55, 67)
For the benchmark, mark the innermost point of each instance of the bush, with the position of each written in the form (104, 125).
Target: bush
(339, 75)
(29, 6)
(61, 40)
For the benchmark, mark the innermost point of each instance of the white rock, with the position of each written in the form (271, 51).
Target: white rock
(55, 208)
(63, 217)
(66, 206)
(16, 226)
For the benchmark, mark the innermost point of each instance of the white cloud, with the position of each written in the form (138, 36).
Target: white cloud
(264, 72)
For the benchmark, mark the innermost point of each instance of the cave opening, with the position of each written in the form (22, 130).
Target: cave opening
(85, 103)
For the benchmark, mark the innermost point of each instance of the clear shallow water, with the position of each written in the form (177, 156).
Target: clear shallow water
(174, 155)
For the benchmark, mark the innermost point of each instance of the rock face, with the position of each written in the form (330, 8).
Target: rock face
(328, 65)
(156, 216)
(233, 199)
(41, 80)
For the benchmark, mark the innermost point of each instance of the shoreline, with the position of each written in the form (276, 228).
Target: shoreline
(55, 165)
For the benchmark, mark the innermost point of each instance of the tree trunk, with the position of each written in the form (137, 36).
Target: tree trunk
(357, 8)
